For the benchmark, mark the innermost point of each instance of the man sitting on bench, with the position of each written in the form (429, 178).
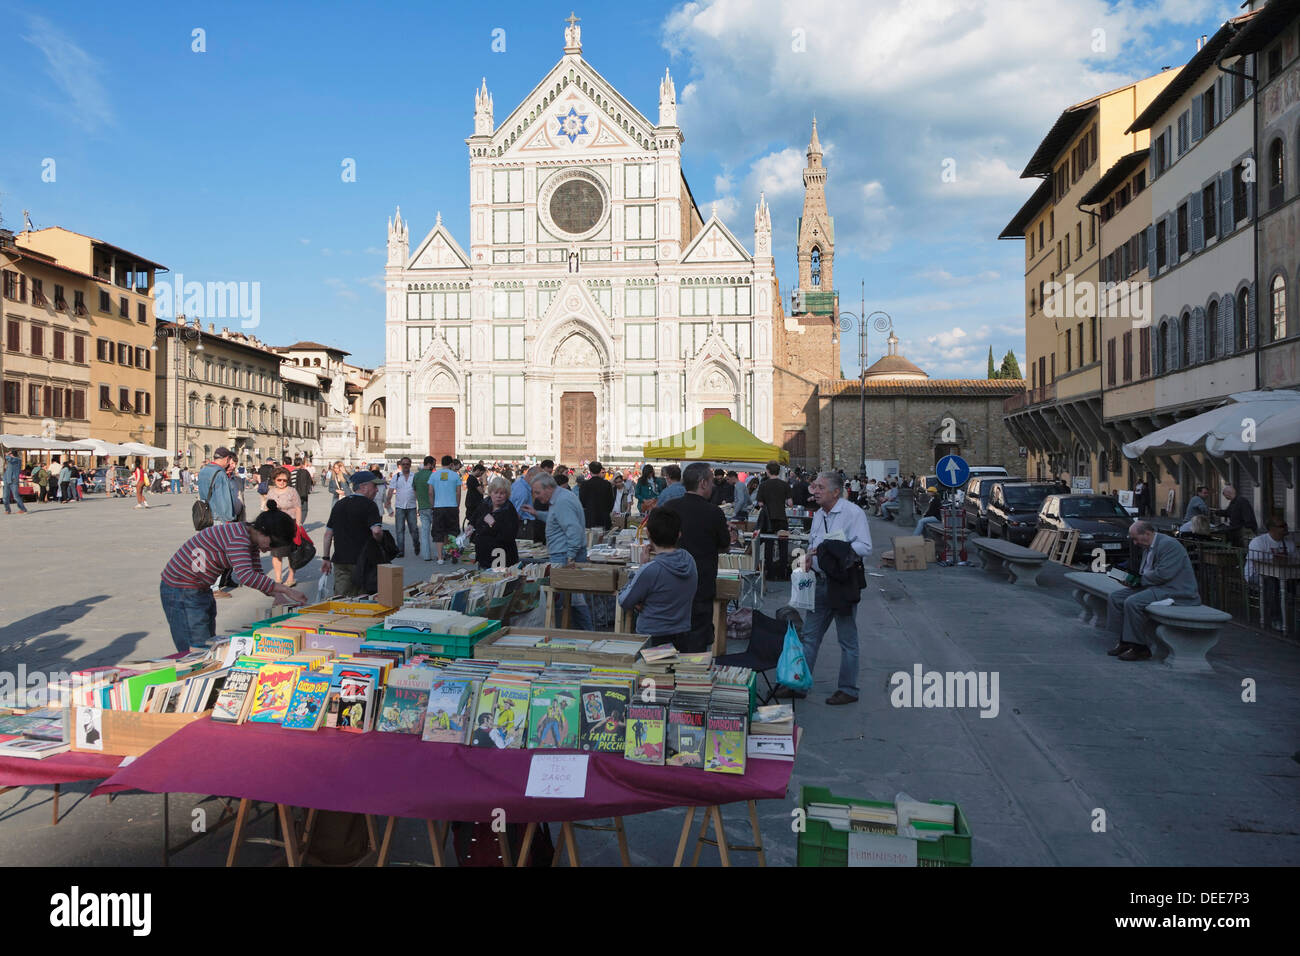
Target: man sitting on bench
(1166, 572)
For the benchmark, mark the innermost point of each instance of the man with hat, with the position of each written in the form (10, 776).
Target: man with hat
(351, 520)
(216, 488)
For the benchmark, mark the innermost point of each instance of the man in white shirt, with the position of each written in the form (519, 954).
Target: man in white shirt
(403, 490)
(1270, 549)
(837, 522)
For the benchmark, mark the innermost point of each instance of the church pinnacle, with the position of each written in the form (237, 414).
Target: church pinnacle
(573, 35)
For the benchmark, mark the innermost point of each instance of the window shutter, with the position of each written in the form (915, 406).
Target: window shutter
(1250, 71)
(1198, 343)
(1227, 325)
(1156, 357)
(1152, 172)
(1151, 252)
(1197, 109)
(1171, 239)
(1250, 318)
(1226, 224)
(1196, 239)
(1218, 100)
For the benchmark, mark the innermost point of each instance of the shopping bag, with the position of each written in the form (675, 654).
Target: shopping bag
(792, 667)
(304, 550)
(325, 587)
(803, 584)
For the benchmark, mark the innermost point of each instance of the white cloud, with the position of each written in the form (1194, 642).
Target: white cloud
(74, 72)
(305, 242)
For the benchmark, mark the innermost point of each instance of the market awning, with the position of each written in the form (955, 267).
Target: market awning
(103, 448)
(719, 439)
(37, 443)
(1265, 422)
(146, 451)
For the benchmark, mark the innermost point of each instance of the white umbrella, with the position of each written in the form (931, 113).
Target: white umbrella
(145, 451)
(104, 448)
(32, 443)
(1250, 423)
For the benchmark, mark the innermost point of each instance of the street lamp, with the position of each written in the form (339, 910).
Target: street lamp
(184, 333)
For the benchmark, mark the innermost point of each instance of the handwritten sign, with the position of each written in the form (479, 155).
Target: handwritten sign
(879, 849)
(557, 776)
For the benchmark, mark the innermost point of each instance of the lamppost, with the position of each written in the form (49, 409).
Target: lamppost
(183, 334)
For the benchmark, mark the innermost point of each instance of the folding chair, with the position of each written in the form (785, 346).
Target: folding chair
(765, 644)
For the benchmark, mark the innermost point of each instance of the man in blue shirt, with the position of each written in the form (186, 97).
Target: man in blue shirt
(673, 475)
(216, 488)
(13, 468)
(445, 487)
(566, 535)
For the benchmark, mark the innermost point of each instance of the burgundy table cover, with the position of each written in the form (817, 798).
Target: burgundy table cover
(66, 767)
(401, 775)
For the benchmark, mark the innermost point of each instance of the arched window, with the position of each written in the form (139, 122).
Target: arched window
(207, 415)
(1185, 341)
(223, 419)
(815, 259)
(1212, 330)
(1278, 307)
(1243, 303)
(1162, 347)
(1276, 173)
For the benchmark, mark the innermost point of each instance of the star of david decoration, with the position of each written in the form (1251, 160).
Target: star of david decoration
(573, 124)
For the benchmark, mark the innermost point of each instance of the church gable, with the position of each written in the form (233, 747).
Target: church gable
(438, 251)
(573, 108)
(715, 243)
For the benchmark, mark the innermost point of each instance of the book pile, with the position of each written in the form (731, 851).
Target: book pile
(34, 733)
(429, 620)
(908, 818)
(730, 564)
(692, 674)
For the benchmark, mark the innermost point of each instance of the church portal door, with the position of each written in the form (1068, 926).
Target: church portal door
(442, 432)
(577, 427)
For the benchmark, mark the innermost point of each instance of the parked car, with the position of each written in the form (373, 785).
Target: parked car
(1013, 507)
(94, 484)
(1100, 520)
(975, 502)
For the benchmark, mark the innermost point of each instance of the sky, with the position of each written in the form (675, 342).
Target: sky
(217, 139)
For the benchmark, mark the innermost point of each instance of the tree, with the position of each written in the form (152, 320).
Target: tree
(992, 373)
(1010, 367)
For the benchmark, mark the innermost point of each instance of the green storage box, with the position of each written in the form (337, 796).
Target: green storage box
(443, 645)
(822, 845)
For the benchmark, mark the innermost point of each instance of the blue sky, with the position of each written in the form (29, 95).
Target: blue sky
(226, 165)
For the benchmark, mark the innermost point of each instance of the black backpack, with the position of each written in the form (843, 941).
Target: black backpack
(201, 513)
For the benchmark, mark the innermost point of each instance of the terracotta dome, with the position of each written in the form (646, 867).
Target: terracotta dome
(894, 366)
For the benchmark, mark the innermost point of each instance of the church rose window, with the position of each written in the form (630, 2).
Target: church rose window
(576, 206)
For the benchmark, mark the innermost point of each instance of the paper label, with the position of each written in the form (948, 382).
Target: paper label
(881, 849)
(557, 776)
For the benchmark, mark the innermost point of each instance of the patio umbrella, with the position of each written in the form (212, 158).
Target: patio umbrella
(145, 451)
(1265, 422)
(103, 448)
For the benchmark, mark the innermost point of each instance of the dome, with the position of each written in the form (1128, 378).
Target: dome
(893, 366)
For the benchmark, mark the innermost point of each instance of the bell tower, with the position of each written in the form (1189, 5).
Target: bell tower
(816, 230)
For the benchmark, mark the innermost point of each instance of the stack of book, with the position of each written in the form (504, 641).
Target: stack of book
(435, 621)
(771, 733)
(35, 733)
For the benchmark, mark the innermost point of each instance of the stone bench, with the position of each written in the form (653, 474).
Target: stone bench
(1188, 630)
(1093, 590)
(1000, 556)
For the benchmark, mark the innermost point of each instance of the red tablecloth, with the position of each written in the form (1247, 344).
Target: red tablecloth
(61, 768)
(401, 775)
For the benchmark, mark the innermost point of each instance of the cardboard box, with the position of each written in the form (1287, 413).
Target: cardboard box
(599, 578)
(485, 649)
(909, 553)
(929, 550)
(128, 733)
(728, 589)
(391, 583)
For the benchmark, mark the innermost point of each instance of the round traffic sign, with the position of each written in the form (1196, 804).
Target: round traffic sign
(952, 471)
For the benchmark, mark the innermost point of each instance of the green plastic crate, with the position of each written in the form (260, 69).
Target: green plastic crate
(265, 622)
(822, 845)
(443, 645)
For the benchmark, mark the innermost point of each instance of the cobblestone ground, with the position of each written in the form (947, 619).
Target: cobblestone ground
(1186, 772)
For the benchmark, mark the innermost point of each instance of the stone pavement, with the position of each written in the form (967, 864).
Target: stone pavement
(1186, 772)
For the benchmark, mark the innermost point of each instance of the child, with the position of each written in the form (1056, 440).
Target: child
(662, 591)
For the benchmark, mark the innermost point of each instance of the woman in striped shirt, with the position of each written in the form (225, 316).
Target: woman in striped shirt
(187, 580)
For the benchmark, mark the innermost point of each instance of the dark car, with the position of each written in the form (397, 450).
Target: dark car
(94, 484)
(976, 501)
(1013, 508)
(1100, 520)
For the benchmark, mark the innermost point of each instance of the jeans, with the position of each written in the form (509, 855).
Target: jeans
(191, 614)
(815, 626)
(920, 525)
(11, 492)
(176, 486)
(426, 533)
(889, 509)
(406, 517)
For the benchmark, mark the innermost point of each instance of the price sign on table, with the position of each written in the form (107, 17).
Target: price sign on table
(557, 775)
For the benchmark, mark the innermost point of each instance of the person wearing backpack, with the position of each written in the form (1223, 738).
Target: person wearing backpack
(216, 490)
(303, 484)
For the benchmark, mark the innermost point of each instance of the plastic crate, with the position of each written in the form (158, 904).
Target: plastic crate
(822, 845)
(444, 645)
(350, 608)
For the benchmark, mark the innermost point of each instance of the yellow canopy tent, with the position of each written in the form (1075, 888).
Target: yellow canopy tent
(718, 439)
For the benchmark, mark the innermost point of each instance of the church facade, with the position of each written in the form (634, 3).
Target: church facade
(593, 307)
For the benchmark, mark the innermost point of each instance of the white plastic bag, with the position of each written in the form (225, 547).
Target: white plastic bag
(803, 584)
(325, 587)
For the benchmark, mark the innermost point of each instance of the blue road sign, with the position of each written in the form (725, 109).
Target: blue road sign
(952, 471)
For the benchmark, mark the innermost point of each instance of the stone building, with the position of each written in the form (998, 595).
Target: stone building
(915, 418)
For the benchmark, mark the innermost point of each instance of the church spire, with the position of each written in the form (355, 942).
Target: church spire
(814, 146)
(816, 230)
(573, 35)
(482, 110)
(398, 240)
(667, 101)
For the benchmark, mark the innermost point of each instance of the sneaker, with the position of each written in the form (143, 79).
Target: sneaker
(440, 561)
(138, 507)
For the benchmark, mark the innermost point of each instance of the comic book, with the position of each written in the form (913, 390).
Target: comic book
(403, 709)
(554, 716)
(604, 716)
(357, 705)
(725, 745)
(306, 709)
(450, 711)
(686, 732)
(276, 641)
(501, 713)
(645, 733)
(271, 693)
(229, 707)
